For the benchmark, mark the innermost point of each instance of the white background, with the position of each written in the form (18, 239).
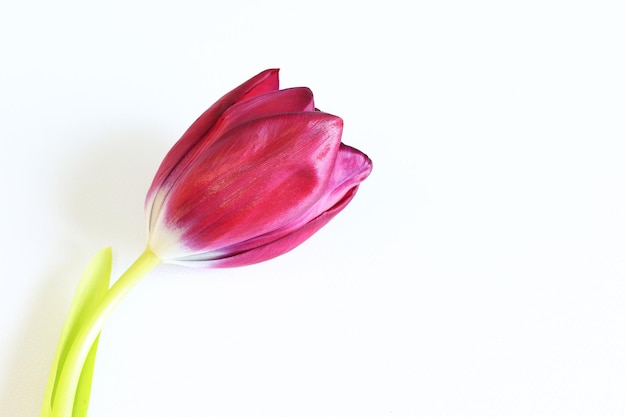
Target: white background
(480, 270)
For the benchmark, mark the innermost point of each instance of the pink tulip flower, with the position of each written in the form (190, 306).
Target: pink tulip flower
(256, 175)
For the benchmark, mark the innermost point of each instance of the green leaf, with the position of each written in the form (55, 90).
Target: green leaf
(83, 391)
(93, 284)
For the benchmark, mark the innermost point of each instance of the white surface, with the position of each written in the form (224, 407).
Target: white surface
(480, 271)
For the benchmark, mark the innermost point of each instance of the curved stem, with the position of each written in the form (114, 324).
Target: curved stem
(63, 398)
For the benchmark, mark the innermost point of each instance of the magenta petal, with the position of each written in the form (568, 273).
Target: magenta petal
(351, 167)
(291, 100)
(182, 152)
(283, 244)
(258, 177)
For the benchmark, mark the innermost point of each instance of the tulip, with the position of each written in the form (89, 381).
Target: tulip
(252, 178)
(256, 175)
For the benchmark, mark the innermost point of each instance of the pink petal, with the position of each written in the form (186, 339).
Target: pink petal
(181, 153)
(258, 177)
(282, 245)
(291, 100)
(351, 168)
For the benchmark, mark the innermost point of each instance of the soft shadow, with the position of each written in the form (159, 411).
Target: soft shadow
(102, 189)
(24, 384)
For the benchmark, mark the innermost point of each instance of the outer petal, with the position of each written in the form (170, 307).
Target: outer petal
(351, 168)
(182, 152)
(259, 177)
(290, 100)
(282, 245)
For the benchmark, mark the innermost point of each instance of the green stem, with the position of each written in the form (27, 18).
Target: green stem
(63, 400)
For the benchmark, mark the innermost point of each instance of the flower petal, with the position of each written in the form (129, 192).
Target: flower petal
(290, 100)
(278, 246)
(258, 177)
(182, 153)
(351, 168)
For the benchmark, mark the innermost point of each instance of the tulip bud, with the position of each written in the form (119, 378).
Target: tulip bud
(256, 175)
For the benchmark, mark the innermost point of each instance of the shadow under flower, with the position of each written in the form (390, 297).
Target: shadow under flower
(34, 348)
(103, 190)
